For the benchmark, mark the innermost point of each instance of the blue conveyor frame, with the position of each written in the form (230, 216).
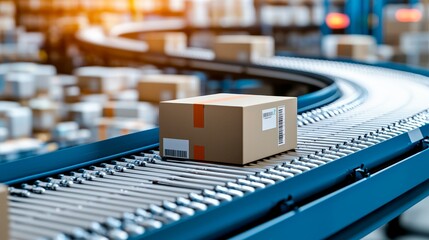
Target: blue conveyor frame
(317, 214)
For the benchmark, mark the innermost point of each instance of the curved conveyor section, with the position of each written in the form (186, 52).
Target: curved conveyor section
(154, 197)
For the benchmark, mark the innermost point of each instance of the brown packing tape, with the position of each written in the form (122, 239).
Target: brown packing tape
(109, 110)
(124, 131)
(198, 116)
(4, 215)
(102, 132)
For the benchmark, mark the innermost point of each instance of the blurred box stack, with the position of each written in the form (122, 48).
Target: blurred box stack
(226, 13)
(406, 28)
(15, 43)
(243, 48)
(157, 88)
(41, 110)
(166, 42)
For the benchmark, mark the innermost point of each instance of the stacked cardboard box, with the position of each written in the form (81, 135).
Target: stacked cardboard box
(100, 84)
(243, 48)
(156, 88)
(356, 47)
(226, 13)
(137, 110)
(166, 41)
(392, 28)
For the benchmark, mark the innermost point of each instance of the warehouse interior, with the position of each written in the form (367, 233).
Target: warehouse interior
(141, 119)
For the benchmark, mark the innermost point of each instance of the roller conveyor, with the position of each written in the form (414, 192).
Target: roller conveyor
(370, 134)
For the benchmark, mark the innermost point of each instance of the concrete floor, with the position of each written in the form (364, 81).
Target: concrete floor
(414, 223)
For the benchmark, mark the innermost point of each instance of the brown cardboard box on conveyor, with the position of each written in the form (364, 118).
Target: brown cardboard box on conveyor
(228, 128)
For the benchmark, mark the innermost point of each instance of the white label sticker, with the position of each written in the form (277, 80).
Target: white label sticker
(178, 148)
(282, 119)
(415, 135)
(269, 119)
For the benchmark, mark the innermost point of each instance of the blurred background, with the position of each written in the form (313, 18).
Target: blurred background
(55, 92)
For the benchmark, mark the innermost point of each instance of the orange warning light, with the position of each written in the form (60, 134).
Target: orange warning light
(408, 15)
(337, 20)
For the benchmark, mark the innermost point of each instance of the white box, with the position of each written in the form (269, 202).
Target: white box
(19, 86)
(126, 95)
(85, 113)
(100, 80)
(95, 98)
(18, 121)
(64, 129)
(44, 114)
(139, 110)
(4, 134)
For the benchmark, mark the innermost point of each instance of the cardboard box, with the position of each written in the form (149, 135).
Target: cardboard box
(228, 128)
(100, 84)
(99, 80)
(243, 48)
(156, 88)
(71, 94)
(357, 47)
(162, 42)
(4, 213)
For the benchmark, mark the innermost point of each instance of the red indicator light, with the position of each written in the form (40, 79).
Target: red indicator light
(337, 20)
(408, 15)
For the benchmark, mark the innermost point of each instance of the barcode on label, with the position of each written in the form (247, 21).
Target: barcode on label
(281, 123)
(178, 148)
(175, 153)
(268, 114)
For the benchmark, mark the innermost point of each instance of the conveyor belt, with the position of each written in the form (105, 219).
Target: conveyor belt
(141, 195)
(154, 192)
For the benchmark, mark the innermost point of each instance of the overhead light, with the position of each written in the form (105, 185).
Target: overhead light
(337, 20)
